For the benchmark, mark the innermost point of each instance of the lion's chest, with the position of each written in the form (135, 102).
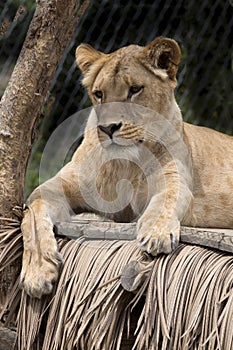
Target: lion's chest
(117, 188)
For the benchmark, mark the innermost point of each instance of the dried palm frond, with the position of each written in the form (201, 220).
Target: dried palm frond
(11, 247)
(10, 241)
(186, 297)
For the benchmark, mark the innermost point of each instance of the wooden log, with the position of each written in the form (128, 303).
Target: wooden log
(221, 239)
(93, 228)
(97, 230)
(7, 338)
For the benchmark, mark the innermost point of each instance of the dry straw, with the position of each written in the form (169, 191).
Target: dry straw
(187, 299)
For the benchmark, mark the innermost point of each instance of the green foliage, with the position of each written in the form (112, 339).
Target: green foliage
(29, 4)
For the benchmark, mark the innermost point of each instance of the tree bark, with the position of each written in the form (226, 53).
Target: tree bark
(49, 34)
(7, 339)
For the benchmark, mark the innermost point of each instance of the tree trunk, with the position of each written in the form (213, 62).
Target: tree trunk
(48, 36)
(7, 339)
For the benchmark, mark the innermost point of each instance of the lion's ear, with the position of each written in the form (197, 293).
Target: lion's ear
(163, 53)
(86, 55)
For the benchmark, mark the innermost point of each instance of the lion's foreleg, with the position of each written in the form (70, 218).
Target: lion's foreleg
(159, 226)
(49, 203)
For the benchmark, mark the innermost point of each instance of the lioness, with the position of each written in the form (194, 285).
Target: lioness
(138, 161)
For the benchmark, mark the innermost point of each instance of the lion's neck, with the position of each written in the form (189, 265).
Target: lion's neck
(175, 116)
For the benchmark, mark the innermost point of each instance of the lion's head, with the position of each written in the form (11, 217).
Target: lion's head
(142, 76)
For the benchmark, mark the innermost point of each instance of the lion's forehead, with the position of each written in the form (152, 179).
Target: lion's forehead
(117, 66)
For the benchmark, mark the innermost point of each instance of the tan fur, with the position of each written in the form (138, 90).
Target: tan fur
(173, 173)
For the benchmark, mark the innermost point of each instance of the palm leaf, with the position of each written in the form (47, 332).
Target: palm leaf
(186, 298)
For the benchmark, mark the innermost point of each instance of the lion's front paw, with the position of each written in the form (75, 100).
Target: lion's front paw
(158, 237)
(40, 268)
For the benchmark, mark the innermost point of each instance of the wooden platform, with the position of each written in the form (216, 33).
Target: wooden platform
(92, 227)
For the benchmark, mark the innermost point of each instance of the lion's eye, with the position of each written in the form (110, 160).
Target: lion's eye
(98, 94)
(134, 89)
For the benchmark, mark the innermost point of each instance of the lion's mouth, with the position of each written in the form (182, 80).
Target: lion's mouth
(119, 134)
(119, 142)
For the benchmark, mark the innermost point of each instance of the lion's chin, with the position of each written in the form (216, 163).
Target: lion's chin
(117, 150)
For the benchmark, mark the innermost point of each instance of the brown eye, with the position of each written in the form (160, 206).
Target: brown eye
(98, 94)
(134, 89)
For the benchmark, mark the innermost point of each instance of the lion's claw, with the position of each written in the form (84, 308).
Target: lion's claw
(158, 237)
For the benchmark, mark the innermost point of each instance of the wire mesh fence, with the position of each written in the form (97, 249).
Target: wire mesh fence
(203, 28)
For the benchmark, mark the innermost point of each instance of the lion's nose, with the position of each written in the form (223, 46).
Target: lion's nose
(110, 129)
